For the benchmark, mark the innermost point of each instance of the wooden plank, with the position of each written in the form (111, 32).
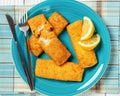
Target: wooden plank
(110, 11)
(112, 94)
(11, 2)
(3, 11)
(113, 58)
(6, 57)
(7, 2)
(5, 32)
(5, 50)
(19, 85)
(5, 43)
(91, 94)
(32, 2)
(108, 82)
(114, 32)
(19, 2)
(109, 90)
(119, 81)
(114, 46)
(6, 67)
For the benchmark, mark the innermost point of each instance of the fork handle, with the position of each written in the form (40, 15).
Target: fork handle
(29, 63)
(24, 65)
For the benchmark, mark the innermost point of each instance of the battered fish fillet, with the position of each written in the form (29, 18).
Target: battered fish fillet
(86, 58)
(68, 71)
(40, 23)
(36, 21)
(58, 22)
(44, 26)
(53, 47)
(34, 46)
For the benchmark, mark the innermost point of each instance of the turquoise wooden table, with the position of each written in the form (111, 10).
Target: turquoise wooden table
(10, 81)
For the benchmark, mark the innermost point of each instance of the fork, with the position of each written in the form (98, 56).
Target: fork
(24, 27)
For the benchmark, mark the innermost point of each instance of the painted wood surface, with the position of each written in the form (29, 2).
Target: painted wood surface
(10, 81)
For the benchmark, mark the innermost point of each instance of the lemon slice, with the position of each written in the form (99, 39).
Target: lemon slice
(90, 43)
(87, 29)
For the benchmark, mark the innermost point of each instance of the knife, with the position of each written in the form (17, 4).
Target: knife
(12, 27)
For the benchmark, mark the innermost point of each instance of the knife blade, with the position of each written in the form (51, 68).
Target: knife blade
(12, 27)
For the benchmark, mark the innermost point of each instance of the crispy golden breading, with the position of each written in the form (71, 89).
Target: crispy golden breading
(46, 27)
(39, 23)
(68, 71)
(86, 58)
(54, 47)
(34, 46)
(34, 40)
(58, 22)
(36, 21)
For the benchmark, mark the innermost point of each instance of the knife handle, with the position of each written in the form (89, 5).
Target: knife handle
(24, 66)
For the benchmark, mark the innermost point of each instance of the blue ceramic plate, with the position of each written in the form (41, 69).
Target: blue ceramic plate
(72, 11)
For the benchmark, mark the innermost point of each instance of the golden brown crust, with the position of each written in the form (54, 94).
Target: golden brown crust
(58, 22)
(86, 58)
(34, 45)
(40, 24)
(54, 48)
(45, 27)
(68, 71)
(36, 21)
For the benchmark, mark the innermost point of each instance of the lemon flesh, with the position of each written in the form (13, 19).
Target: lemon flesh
(91, 43)
(87, 29)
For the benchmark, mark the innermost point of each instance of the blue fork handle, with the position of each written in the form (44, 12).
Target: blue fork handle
(29, 63)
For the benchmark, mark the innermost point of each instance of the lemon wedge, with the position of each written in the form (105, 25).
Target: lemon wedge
(87, 29)
(90, 43)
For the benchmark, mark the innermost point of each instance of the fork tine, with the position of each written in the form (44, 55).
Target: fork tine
(26, 16)
(19, 20)
(24, 19)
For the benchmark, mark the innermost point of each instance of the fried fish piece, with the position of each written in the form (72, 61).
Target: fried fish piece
(34, 46)
(54, 48)
(34, 41)
(39, 23)
(58, 22)
(86, 58)
(67, 72)
(36, 21)
(37, 28)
